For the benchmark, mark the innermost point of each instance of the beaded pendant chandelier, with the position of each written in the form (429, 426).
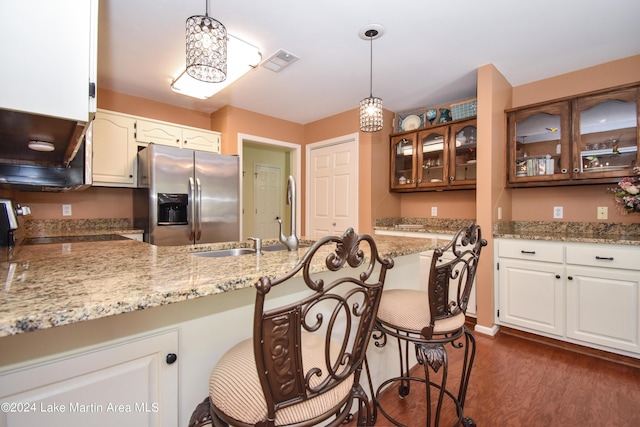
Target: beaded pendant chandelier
(206, 48)
(371, 107)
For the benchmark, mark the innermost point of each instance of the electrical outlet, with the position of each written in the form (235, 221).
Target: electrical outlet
(499, 212)
(434, 211)
(557, 212)
(66, 210)
(603, 212)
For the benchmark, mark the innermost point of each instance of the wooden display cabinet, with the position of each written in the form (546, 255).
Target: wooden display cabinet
(588, 139)
(440, 157)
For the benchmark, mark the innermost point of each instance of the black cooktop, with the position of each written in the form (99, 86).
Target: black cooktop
(73, 239)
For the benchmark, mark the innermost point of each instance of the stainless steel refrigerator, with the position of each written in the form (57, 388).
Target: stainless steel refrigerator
(187, 197)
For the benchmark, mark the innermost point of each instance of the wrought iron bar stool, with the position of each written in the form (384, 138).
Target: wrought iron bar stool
(432, 320)
(304, 362)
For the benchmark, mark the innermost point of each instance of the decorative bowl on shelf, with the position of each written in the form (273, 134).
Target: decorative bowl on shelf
(445, 115)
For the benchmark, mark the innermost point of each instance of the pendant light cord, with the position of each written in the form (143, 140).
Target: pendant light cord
(371, 67)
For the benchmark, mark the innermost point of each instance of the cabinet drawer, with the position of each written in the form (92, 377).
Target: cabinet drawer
(626, 257)
(531, 250)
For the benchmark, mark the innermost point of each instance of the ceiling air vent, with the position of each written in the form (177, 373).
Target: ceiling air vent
(279, 60)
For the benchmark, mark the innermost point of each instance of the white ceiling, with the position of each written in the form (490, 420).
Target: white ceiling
(427, 56)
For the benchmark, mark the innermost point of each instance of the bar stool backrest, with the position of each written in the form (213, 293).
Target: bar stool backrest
(451, 276)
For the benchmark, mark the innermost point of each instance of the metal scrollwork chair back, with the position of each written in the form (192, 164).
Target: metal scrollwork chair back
(303, 365)
(432, 318)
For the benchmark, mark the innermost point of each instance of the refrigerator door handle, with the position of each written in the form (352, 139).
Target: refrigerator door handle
(192, 197)
(199, 207)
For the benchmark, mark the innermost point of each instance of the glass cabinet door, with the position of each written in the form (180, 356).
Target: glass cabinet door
(606, 135)
(403, 161)
(539, 143)
(462, 145)
(432, 160)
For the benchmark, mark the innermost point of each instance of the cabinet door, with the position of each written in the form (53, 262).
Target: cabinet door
(606, 134)
(403, 161)
(603, 306)
(202, 140)
(538, 144)
(432, 161)
(531, 295)
(125, 385)
(158, 133)
(462, 153)
(49, 73)
(114, 150)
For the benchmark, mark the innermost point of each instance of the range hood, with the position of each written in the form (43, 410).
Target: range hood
(66, 167)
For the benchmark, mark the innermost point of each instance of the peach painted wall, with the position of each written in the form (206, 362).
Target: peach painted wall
(494, 96)
(610, 74)
(94, 202)
(231, 121)
(579, 202)
(115, 101)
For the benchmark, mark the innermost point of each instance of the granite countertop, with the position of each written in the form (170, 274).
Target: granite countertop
(58, 284)
(577, 232)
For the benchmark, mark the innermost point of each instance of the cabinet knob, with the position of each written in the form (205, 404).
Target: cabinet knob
(171, 358)
(557, 276)
(451, 178)
(576, 170)
(570, 277)
(563, 170)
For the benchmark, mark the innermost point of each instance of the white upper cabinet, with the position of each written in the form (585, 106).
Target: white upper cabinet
(150, 131)
(114, 150)
(162, 133)
(49, 51)
(202, 140)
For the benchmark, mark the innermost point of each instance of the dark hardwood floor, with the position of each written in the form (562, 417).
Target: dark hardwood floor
(520, 382)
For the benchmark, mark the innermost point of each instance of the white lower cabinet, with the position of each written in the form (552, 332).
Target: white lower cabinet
(603, 295)
(126, 384)
(588, 294)
(532, 295)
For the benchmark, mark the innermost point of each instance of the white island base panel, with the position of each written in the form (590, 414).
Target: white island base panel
(114, 371)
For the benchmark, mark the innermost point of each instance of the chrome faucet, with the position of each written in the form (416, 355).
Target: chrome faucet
(290, 242)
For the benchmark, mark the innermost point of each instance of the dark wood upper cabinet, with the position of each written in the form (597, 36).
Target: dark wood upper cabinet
(589, 139)
(440, 157)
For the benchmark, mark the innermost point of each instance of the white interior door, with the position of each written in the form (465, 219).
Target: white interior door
(333, 187)
(268, 199)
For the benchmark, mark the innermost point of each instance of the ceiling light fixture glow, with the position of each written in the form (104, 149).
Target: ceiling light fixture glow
(242, 58)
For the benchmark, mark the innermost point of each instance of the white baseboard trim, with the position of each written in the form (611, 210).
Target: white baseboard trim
(492, 331)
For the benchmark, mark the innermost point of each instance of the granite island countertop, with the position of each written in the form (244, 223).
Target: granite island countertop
(57, 284)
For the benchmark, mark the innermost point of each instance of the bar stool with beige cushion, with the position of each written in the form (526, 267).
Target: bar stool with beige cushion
(304, 362)
(430, 320)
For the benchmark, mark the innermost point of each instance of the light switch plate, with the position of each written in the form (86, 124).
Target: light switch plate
(66, 210)
(557, 212)
(434, 211)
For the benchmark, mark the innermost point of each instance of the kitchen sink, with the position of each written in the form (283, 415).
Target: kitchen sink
(220, 253)
(225, 252)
